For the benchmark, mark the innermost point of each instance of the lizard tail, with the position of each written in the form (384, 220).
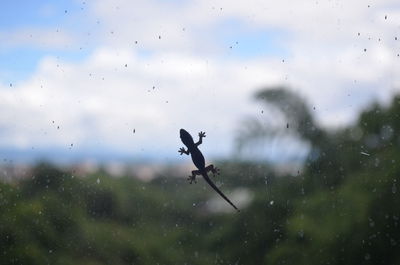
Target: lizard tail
(205, 176)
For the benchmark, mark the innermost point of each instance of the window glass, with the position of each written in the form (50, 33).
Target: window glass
(199, 132)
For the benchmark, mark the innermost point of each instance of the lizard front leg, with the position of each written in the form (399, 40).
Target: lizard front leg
(183, 151)
(201, 136)
(193, 176)
(213, 169)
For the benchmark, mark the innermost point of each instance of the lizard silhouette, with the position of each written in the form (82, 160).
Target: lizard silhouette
(199, 162)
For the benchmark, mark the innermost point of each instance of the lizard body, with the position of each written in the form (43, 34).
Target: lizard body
(199, 162)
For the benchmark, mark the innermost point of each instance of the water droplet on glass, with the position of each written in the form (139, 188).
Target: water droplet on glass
(271, 203)
(98, 181)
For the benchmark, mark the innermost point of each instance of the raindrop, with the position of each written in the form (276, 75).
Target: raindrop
(126, 65)
(10, 84)
(367, 256)
(134, 130)
(394, 188)
(271, 203)
(159, 37)
(365, 50)
(98, 181)
(385, 16)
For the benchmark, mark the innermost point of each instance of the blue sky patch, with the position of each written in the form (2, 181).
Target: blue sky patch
(20, 14)
(245, 42)
(19, 64)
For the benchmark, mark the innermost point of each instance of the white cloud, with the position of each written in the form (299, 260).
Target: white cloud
(100, 101)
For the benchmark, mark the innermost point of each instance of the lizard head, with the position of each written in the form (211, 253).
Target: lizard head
(186, 138)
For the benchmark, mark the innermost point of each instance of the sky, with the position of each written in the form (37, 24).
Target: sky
(120, 78)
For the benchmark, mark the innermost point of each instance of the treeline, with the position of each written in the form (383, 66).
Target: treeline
(342, 208)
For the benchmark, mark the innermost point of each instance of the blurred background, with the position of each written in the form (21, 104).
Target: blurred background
(300, 101)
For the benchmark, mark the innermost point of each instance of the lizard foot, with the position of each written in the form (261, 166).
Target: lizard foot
(182, 150)
(215, 171)
(192, 179)
(202, 134)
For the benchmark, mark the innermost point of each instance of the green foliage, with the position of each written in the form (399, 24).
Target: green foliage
(343, 208)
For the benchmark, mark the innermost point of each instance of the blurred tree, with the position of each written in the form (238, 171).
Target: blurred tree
(343, 208)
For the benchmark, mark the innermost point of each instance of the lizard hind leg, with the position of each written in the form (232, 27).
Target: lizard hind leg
(192, 178)
(213, 169)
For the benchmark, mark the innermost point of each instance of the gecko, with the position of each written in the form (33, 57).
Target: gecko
(199, 162)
